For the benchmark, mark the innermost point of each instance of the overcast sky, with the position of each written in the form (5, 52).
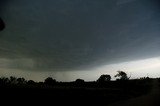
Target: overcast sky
(69, 39)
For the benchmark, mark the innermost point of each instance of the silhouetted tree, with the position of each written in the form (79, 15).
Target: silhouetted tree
(104, 78)
(122, 75)
(30, 82)
(79, 81)
(145, 78)
(4, 81)
(13, 80)
(49, 81)
(21, 81)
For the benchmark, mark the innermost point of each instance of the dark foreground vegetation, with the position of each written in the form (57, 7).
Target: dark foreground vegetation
(100, 92)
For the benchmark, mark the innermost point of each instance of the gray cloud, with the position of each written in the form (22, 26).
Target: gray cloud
(78, 34)
(120, 2)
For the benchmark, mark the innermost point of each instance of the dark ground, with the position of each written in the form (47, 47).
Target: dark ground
(73, 94)
(150, 99)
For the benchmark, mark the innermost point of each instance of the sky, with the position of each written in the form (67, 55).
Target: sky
(70, 39)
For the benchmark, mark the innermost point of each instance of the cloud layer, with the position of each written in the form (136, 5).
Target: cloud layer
(71, 35)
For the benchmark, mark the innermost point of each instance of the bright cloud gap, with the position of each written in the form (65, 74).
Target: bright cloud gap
(140, 68)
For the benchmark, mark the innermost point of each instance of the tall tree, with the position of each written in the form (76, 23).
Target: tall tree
(49, 81)
(104, 78)
(122, 75)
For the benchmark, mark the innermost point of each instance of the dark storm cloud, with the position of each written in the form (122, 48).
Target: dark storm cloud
(78, 34)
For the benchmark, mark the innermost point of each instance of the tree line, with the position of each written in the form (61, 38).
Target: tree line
(121, 75)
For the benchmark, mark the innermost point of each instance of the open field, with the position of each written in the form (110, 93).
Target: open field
(76, 93)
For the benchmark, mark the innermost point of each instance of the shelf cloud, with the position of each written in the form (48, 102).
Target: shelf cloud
(71, 35)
